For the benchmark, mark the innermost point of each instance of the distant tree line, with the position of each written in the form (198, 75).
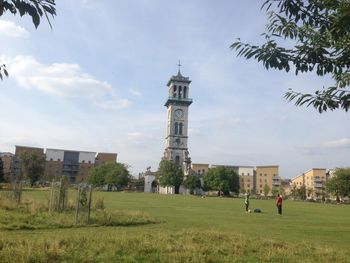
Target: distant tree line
(221, 179)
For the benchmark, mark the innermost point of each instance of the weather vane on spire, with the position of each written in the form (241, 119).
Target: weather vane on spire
(179, 65)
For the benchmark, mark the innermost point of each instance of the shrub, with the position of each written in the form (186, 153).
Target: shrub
(100, 204)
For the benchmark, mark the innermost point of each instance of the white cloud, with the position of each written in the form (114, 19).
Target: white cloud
(341, 143)
(10, 29)
(60, 79)
(325, 147)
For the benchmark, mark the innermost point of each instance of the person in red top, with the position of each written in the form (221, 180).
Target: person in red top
(279, 204)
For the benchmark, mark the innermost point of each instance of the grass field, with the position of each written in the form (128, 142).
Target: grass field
(191, 229)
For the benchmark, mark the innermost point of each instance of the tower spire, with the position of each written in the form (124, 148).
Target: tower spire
(179, 65)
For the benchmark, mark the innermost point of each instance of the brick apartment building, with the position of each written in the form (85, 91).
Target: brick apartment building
(73, 164)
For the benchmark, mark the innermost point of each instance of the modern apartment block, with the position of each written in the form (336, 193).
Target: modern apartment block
(73, 164)
(102, 158)
(22, 149)
(246, 178)
(286, 184)
(267, 175)
(232, 167)
(251, 179)
(314, 181)
(11, 166)
(298, 181)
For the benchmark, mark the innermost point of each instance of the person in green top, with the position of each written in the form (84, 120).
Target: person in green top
(246, 202)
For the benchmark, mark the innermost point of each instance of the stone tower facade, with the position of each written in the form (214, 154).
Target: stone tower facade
(178, 102)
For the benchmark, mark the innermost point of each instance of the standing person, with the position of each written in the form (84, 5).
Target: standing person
(246, 202)
(279, 204)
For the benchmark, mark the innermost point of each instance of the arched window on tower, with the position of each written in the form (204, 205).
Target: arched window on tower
(174, 91)
(176, 128)
(177, 160)
(181, 128)
(185, 92)
(180, 92)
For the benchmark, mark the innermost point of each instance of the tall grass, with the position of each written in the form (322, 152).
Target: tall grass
(188, 229)
(184, 246)
(32, 215)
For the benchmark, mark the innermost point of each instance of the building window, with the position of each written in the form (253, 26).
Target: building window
(58, 159)
(260, 174)
(248, 185)
(242, 174)
(89, 161)
(174, 92)
(261, 186)
(264, 174)
(51, 159)
(203, 171)
(177, 160)
(176, 128)
(185, 92)
(180, 92)
(83, 161)
(181, 128)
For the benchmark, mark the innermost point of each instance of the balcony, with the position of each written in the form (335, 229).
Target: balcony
(276, 180)
(318, 179)
(178, 101)
(318, 185)
(70, 167)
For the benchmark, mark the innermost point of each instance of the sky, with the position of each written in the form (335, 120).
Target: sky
(97, 82)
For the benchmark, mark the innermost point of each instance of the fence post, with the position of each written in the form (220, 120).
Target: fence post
(19, 193)
(89, 205)
(77, 206)
(51, 197)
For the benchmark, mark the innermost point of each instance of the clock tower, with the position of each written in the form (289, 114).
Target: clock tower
(176, 148)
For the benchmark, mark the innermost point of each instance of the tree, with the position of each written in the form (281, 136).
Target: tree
(110, 174)
(170, 174)
(319, 32)
(138, 182)
(294, 192)
(339, 184)
(282, 191)
(32, 165)
(36, 9)
(2, 173)
(266, 190)
(192, 182)
(302, 192)
(221, 179)
(309, 192)
(3, 71)
(275, 190)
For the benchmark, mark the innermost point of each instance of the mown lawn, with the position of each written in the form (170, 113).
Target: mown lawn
(192, 229)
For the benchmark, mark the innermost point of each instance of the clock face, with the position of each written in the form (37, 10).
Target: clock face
(179, 113)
